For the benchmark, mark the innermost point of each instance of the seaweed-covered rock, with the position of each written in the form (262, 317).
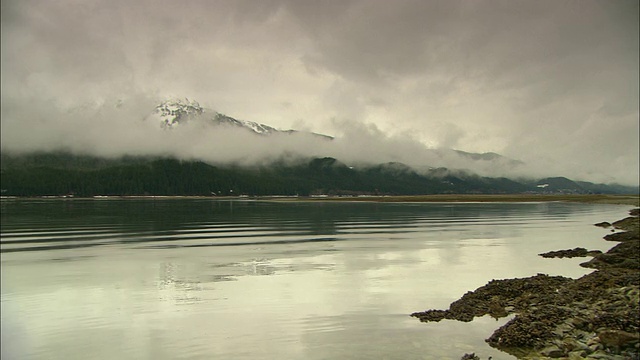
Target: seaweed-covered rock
(471, 356)
(531, 329)
(622, 236)
(577, 252)
(624, 255)
(498, 298)
(631, 223)
(617, 338)
(595, 317)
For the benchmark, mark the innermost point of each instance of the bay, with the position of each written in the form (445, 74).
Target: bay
(242, 279)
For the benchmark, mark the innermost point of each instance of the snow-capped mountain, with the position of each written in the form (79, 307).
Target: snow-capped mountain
(172, 113)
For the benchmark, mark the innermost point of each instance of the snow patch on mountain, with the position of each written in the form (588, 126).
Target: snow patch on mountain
(174, 112)
(261, 129)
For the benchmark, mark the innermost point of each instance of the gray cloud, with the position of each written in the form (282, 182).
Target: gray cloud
(115, 128)
(554, 83)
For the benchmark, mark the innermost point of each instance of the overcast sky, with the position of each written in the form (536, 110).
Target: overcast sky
(551, 82)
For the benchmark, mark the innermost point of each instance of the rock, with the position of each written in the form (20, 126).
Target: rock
(496, 310)
(595, 316)
(600, 354)
(432, 315)
(624, 255)
(471, 356)
(617, 337)
(621, 236)
(631, 223)
(603, 224)
(577, 252)
(577, 355)
(595, 347)
(580, 346)
(552, 351)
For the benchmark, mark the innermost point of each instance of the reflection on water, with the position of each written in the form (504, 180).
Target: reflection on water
(206, 279)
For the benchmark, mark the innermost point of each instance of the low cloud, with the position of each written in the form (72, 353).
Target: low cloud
(552, 83)
(119, 127)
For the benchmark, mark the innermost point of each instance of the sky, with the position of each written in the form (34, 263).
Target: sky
(553, 83)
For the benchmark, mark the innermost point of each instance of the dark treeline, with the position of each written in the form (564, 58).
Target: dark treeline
(174, 177)
(64, 174)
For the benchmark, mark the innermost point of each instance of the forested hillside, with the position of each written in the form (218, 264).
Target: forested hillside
(50, 174)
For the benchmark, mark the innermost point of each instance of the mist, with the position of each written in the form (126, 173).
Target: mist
(554, 84)
(115, 127)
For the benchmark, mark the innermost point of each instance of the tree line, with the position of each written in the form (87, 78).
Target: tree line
(50, 174)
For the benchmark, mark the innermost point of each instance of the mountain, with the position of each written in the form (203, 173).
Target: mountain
(289, 173)
(607, 188)
(55, 174)
(489, 156)
(560, 184)
(175, 112)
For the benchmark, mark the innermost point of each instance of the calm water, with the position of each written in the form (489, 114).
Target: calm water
(207, 279)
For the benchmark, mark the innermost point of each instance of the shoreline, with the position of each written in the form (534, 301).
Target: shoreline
(596, 316)
(633, 200)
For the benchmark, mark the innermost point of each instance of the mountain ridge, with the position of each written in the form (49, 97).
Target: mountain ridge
(176, 112)
(55, 174)
(172, 113)
(286, 173)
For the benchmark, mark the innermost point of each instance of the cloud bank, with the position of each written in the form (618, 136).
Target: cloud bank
(117, 128)
(552, 83)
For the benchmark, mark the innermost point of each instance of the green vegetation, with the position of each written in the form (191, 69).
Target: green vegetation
(55, 174)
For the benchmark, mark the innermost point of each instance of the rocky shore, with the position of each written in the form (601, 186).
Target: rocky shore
(594, 317)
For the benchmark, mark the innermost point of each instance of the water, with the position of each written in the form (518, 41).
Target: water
(207, 279)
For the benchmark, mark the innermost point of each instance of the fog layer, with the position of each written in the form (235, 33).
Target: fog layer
(128, 127)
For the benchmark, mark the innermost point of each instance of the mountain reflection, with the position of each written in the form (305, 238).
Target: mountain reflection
(171, 223)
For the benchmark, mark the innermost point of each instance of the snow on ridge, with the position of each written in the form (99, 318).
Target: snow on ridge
(258, 128)
(172, 112)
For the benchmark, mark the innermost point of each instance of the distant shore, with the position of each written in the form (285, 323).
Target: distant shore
(633, 200)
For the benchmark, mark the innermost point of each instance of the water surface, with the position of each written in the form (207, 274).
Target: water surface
(211, 279)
